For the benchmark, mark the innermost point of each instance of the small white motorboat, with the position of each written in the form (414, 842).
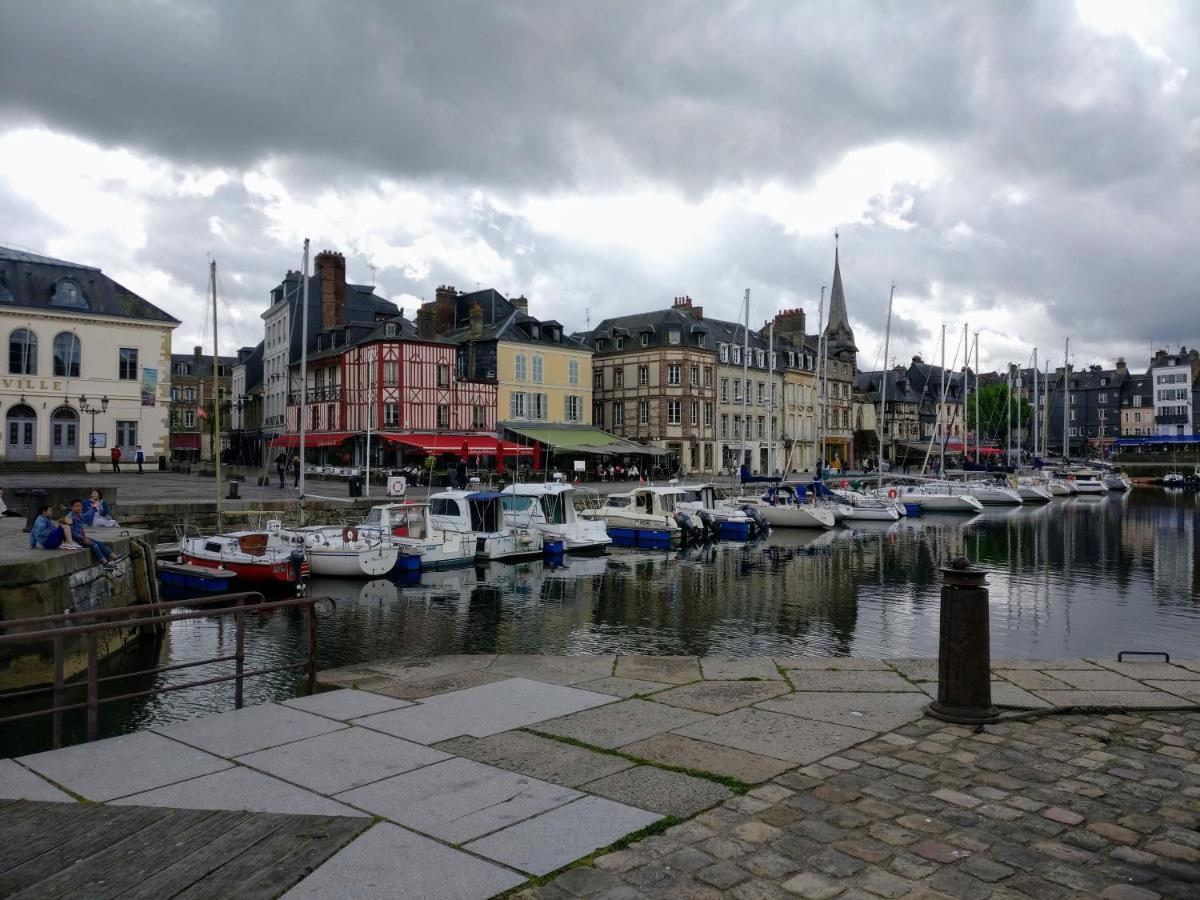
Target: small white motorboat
(941, 497)
(550, 509)
(1088, 482)
(644, 517)
(347, 552)
(1034, 489)
(725, 518)
(409, 527)
(271, 557)
(480, 514)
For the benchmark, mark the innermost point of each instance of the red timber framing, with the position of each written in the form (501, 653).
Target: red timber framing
(410, 383)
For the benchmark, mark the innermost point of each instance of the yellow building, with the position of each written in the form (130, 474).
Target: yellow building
(542, 375)
(79, 342)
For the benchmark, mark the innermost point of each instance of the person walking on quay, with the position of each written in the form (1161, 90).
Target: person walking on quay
(296, 471)
(48, 534)
(139, 457)
(115, 456)
(281, 466)
(74, 520)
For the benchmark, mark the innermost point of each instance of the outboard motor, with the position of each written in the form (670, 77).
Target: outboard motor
(711, 525)
(759, 520)
(687, 526)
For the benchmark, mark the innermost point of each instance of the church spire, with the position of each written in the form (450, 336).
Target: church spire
(837, 330)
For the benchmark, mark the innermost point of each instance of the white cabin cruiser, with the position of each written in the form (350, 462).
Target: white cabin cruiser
(939, 496)
(644, 516)
(864, 507)
(410, 528)
(722, 516)
(550, 509)
(481, 515)
(1087, 482)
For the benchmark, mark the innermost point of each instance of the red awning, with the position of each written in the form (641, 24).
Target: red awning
(319, 439)
(477, 444)
(189, 441)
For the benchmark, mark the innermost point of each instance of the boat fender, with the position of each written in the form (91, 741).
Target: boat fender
(891, 493)
(350, 534)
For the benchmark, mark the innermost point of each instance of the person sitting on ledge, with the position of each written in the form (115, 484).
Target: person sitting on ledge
(96, 511)
(74, 520)
(48, 534)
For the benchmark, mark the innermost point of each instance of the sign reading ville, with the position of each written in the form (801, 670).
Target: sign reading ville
(31, 384)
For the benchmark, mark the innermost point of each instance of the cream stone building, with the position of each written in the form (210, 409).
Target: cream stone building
(79, 342)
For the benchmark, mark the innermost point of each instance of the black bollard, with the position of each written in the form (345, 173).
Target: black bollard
(34, 501)
(964, 648)
(233, 491)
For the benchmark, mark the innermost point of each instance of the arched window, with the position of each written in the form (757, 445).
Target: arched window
(66, 355)
(68, 293)
(22, 352)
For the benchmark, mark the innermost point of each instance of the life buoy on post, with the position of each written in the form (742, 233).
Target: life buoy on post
(892, 493)
(844, 484)
(349, 534)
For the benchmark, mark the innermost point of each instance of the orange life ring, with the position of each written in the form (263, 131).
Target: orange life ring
(892, 493)
(349, 534)
(1070, 478)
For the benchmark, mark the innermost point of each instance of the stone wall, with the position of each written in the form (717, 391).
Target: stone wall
(160, 519)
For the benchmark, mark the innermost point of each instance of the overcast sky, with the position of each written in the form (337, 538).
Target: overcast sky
(1030, 169)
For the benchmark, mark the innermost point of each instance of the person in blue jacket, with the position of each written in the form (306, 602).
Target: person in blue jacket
(48, 534)
(74, 520)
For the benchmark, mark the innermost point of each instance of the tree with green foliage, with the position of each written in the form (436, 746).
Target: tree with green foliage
(994, 412)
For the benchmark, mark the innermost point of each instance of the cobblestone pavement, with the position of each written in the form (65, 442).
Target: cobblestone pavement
(1072, 806)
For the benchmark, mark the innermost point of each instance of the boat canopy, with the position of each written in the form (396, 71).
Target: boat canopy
(747, 478)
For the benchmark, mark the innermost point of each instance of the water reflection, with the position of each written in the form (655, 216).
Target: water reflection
(1082, 576)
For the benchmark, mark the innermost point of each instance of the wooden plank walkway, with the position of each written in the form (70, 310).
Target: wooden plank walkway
(77, 849)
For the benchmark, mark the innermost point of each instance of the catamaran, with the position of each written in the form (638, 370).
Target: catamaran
(550, 509)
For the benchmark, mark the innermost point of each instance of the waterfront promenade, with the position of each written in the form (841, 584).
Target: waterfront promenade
(633, 776)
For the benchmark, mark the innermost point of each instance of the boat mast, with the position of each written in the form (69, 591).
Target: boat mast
(303, 369)
(1035, 401)
(745, 376)
(819, 424)
(1066, 391)
(370, 416)
(887, 336)
(1046, 420)
(212, 277)
(771, 398)
(966, 386)
(978, 444)
(942, 405)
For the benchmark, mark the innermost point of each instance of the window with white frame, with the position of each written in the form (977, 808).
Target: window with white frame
(695, 376)
(478, 416)
(708, 415)
(573, 372)
(573, 407)
(443, 376)
(723, 352)
(541, 406)
(674, 371)
(618, 413)
(391, 414)
(127, 364)
(673, 412)
(443, 416)
(516, 405)
(619, 377)
(673, 336)
(391, 373)
(643, 412)
(643, 374)
(724, 390)
(519, 367)
(537, 368)
(708, 376)
(645, 339)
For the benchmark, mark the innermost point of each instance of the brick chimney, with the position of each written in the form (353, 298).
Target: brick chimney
(520, 303)
(427, 320)
(331, 270)
(1122, 369)
(789, 323)
(445, 308)
(197, 352)
(475, 332)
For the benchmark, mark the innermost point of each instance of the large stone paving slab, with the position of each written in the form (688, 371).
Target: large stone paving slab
(1033, 680)
(702, 756)
(776, 734)
(849, 680)
(1144, 671)
(420, 688)
(537, 757)
(1100, 680)
(719, 697)
(1188, 689)
(669, 669)
(345, 705)
(1045, 665)
(18, 783)
(1003, 694)
(876, 712)
(419, 669)
(388, 862)
(620, 723)
(1132, 699)
(554, 669)
(341, 760)
(916, 669)
(484, 710)
(623, 687)
(104, 770)
(553, 840)
(836, 663)
(249, 729)
(727, 668)
(459, 799)
(240, 789)
(660, 791)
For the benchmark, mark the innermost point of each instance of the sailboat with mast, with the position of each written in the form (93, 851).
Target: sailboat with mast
(261, 558)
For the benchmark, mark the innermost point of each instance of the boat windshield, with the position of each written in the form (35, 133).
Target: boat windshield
(620, 502)
(445, 506)
(554, 508)
(373, 519)
(689, 497)
(516, 502)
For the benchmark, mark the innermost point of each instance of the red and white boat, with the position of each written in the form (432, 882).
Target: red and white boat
(255, 557)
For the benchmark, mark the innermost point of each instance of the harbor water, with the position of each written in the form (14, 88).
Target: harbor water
(1078, 577)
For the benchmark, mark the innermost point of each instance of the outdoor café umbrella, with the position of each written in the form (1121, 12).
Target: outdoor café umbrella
(537, 457)
(464, 452)
(499, 461)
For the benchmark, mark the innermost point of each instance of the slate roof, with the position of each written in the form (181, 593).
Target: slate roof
(899, 386)
(254, 368)
(362, 333)
(502, 321)
(201, 368)
(30, 281)
(362, 307)
(837, 327)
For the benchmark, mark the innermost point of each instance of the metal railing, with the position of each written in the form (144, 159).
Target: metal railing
(91, 624)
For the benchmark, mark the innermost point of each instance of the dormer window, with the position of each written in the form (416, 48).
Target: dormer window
(723, 352)
(183, 369)
(389, 330)
(600, 345)
(760, 357)
(645, 339)
(68, 293)
(620, 343)
(672, 336)
(701, 339)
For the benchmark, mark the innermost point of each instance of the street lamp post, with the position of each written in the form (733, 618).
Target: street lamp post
(92, 410)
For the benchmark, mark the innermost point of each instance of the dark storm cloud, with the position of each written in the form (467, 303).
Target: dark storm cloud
(1069, 173)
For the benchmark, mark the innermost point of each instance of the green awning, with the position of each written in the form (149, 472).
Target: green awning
(581, 439)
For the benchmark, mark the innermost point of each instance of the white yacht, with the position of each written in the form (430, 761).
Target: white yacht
(1062, 487)
(345, 552)
(940, 496)
(1117, 481)
(864, 507)
(788, 506)
(994, 493)
(726, 518)
(410, 528)
(644, 516)
(1087, 482)
(1034, 489)
(480, 515)
(550, 509)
